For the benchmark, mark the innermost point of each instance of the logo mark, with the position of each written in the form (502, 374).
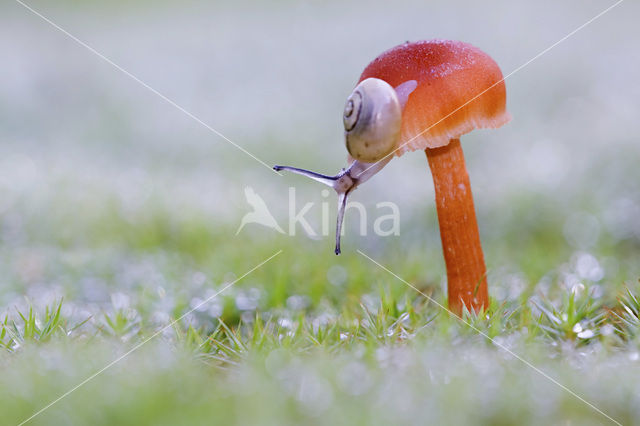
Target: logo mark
(260, 214)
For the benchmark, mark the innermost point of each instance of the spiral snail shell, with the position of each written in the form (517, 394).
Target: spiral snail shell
(372, 120)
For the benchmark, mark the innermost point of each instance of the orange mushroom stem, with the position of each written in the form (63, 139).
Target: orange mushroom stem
(466, 271)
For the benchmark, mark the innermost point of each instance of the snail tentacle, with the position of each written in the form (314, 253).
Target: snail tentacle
(342, 204)
(318, 177)
(343, 183)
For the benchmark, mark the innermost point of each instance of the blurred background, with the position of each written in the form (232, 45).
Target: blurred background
(120, 203)
(96, 169)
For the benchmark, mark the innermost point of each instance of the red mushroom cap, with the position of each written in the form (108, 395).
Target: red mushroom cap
(450, 74)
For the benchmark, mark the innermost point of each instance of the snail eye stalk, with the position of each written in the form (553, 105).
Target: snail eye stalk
(318, 177)
(342, 204)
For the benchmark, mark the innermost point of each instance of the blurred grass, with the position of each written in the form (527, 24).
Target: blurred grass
(364, 366)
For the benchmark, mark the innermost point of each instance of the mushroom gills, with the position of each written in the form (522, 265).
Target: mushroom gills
(343, 183)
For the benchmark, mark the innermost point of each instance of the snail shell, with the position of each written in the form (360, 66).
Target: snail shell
(372, 120)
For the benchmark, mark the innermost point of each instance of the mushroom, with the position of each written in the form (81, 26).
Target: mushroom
(423, 96)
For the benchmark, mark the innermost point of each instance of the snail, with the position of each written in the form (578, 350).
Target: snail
(372, 119)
